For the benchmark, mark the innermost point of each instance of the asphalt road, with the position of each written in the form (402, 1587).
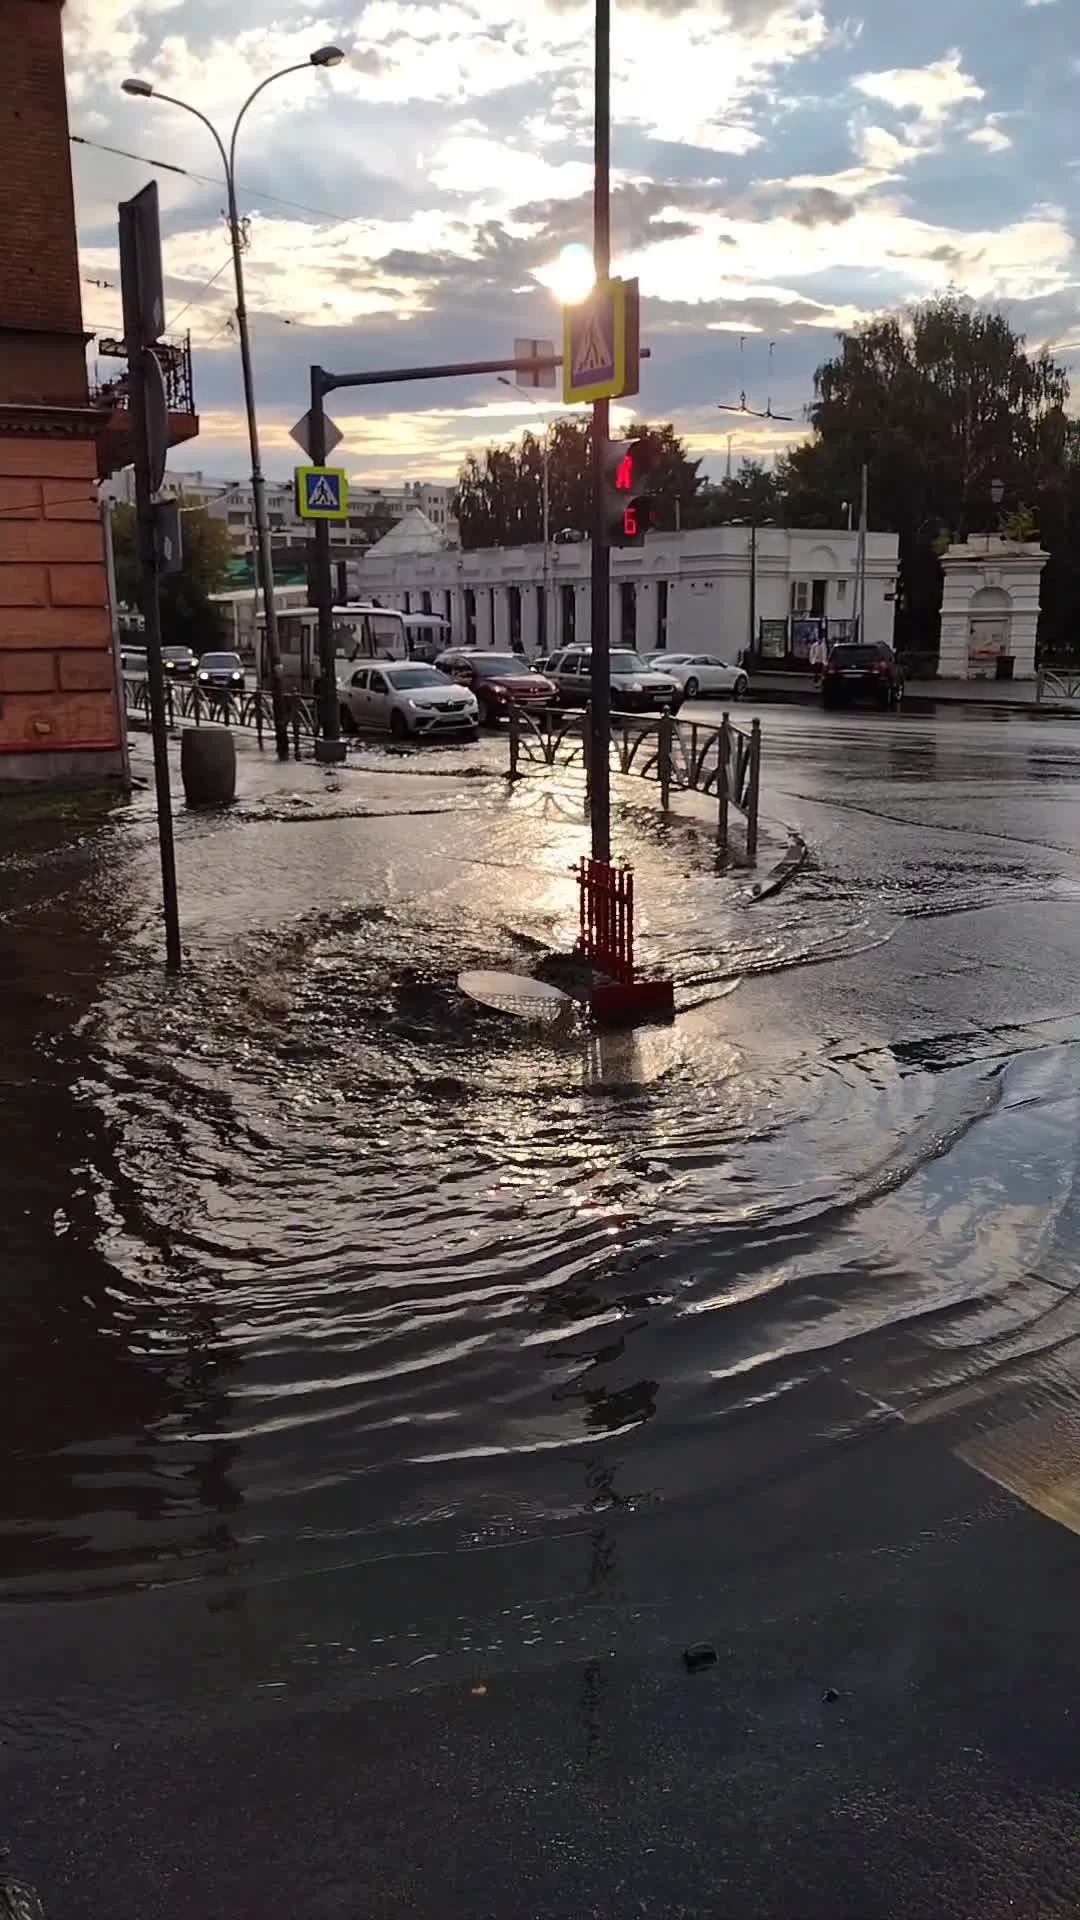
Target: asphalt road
(392, 1403)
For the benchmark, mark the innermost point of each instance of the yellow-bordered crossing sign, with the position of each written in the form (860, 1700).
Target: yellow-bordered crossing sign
(597, 343)
(322, 493)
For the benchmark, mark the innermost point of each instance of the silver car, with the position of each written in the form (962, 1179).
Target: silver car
(405, 699)
(636, 687)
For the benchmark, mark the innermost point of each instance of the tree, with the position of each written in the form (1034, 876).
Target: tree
(749, 494)
(188, 616)
(500, 492)
(938, 403)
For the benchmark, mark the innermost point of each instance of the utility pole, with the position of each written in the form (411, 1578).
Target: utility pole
(753, 586)
(600, 677)
(322, 58)
(860, 557)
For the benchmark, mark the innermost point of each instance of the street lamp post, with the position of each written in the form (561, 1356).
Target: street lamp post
(545, 469)
(144, 90)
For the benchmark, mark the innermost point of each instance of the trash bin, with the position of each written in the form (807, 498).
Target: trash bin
(1004, 667)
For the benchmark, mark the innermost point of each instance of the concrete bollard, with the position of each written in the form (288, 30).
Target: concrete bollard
(208, 766)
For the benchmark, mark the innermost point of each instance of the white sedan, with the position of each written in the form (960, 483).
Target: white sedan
(702, 674)
(405, 699)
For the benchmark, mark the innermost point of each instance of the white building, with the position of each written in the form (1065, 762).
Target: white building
(990, 607)
(702, 591)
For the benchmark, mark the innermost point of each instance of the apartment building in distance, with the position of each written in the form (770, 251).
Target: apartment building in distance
(233, 502)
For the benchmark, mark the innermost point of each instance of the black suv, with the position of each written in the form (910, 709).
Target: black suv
(862, 672)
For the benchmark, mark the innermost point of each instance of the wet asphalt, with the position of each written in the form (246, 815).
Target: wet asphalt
(396, 1390)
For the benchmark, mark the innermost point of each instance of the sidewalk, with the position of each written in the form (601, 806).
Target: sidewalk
(922, 696)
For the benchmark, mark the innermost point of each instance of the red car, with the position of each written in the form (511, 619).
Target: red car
(499, 681)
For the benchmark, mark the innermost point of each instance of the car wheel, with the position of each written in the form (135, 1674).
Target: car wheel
(488, 714)
(691, 688)
(348, 724)
(741, 687)
(399, 726)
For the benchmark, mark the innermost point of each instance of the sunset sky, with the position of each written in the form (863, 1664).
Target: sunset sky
(780, 169)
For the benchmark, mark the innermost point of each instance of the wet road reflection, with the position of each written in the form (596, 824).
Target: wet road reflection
(317, 1269)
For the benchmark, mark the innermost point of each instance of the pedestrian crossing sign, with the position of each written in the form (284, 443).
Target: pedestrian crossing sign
(597, 343)
(322, 493)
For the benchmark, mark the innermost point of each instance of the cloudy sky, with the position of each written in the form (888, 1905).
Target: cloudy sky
(780, 168)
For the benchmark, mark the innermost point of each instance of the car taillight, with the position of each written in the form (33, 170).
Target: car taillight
(881, 666)
(831, 669)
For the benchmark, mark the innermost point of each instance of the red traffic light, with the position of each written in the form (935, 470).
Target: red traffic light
(624, 474)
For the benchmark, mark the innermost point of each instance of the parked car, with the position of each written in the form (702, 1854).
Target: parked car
(405, 699)
(181, 662)
(499, 681)
(636, 687)
(701, 674)
(221, 673)
(133, 663)
(861, 671)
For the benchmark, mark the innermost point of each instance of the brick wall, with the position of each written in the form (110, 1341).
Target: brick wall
(40, 283)
(56, 662)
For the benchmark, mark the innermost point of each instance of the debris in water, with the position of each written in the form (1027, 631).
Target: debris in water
(830, 1694)
(696, 1658)
(17, 1900)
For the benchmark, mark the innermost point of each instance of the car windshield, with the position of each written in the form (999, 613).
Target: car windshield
(230, 660)
(628, 663)
(417, 677)
(176, 653)
(494, 665)
(856, 656)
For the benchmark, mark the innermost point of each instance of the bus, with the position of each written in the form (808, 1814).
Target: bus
(426, 635)
(360, 633)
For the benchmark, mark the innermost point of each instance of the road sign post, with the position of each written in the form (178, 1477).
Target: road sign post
(329, 746)
(140, 282)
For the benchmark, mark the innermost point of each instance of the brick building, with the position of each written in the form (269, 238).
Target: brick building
(59, 715)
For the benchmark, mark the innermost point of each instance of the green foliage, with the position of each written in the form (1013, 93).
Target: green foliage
(939, 403)
(500, 495)
(188, 617)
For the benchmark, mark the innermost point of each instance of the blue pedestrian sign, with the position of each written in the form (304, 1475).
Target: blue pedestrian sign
(322, 493)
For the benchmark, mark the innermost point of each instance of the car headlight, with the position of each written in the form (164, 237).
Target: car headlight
(636, 686)
(204, 675)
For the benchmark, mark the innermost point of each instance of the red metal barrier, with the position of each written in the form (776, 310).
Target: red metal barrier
(607, 918)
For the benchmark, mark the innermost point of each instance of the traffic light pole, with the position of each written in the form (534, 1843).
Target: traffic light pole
(329, 747)
(600, 636)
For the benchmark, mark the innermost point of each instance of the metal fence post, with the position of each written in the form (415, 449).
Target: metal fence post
(515, 740)
(259, 717)
(296, 727)
(724, 748)
(753, 791)
(586, 750)
(197, 704)
(663, 758)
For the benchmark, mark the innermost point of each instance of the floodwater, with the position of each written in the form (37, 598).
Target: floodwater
(401, 1331)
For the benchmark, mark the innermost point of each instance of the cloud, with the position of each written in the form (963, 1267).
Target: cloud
(778, 174)
(990, 136)
(931, 92)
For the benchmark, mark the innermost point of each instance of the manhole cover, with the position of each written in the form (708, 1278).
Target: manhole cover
(516, 993)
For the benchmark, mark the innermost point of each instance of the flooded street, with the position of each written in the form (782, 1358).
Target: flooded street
(396, 1388)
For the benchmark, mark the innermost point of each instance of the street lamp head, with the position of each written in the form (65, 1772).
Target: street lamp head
(997, 491)
(327, 57)
(141, 89)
